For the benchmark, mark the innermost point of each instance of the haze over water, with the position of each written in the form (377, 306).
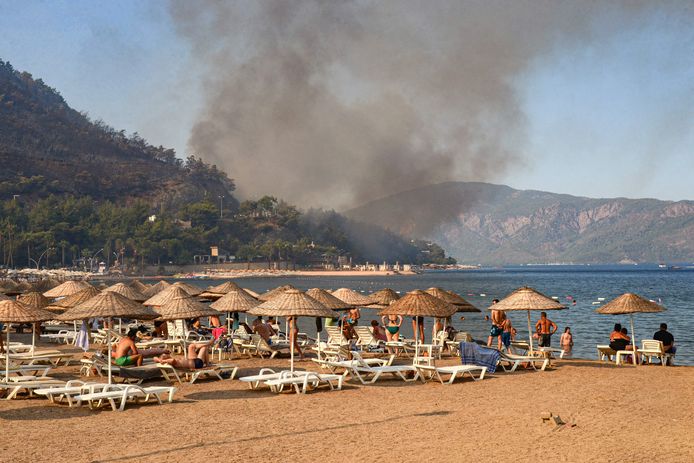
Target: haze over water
(674, 289)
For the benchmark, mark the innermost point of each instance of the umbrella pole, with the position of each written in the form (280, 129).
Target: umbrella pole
(33, 337)
(530, 335)
(633, 336)
(7, 355)
(291, 349)
(108, 340)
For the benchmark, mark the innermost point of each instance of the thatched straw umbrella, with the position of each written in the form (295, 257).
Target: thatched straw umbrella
(215, 292)
(8, 287)
(66, 289)
(383, 298)
(183, 308)
(417, 304)
(275, 292)
(25, 287)
(352, 297)
(5, 298)
(452, 298)
(252, 293)
(187, 287)
(169, 294)
(108, 305)
(73, 300)
(156, 288)
(34, 299)
(630, 303)
(16, 312)
(127, 291)
(235, 301)
(138, 286)
(293, 303)
(329, 301)
(526, 298)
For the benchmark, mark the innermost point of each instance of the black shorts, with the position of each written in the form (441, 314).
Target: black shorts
(495, 331)
(545, 340)
(198, 363)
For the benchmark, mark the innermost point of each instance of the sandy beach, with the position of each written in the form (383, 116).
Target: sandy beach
(621, 414)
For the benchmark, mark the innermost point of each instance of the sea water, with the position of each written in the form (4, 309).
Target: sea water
(587, 285)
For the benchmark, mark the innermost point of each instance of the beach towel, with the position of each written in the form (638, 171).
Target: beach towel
(82, 340)
(217, 332)
(473, 354)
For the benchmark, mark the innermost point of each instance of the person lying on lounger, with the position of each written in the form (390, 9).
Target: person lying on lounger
(198, 357)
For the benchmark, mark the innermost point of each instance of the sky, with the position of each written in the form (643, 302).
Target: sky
(605, 113)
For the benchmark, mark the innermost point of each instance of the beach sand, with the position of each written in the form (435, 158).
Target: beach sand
(621, 414)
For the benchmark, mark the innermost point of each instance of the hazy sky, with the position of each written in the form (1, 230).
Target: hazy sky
(605, 112)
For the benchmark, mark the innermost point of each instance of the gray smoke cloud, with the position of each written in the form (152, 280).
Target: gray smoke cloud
(333, 103)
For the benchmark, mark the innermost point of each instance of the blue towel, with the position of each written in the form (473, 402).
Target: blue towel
(473, 354)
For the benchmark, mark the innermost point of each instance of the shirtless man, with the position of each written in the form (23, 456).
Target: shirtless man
(126, 352)
(198, 357)
(498, 317)
(507, 334)
(293, 336)
(545, 328)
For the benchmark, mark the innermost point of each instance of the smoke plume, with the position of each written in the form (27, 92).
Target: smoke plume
(332, 103)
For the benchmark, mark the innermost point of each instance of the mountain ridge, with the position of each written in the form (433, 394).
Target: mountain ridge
(486, 223)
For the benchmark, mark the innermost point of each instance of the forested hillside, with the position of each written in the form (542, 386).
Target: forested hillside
(72, 188)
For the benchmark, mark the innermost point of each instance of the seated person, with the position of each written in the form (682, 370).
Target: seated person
(161, 329)
(378, 332)
(616, 332)
(214, 321)
(620, 340)
(198, 357)
(668, 340)
(126, 352)
(261, 328)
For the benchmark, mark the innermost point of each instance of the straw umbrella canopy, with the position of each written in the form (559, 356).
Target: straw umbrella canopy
(167, 295)
(73, 300)
(181, 308)
(127, 291)
(526, 298)
(156, 288)
(252, 293)
(108, 305)
(460, 304)
(34, 299)
(235, 301)
(215, 292)
(25, 287)
(66, 289)
(44, 285)
(16, 312)
(4, 298)
(275, 292)
(352, 297)
(187, 287)
(418, 303)
(138, 286)
(630, 303)
(383, 297)
(328, 300)
(293, 303)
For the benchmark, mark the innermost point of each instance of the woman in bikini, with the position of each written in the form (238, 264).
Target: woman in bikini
(392, 324)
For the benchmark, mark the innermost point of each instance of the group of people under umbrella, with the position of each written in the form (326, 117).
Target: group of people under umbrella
(80, 301)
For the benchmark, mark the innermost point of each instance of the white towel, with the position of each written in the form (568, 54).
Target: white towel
(83, 337)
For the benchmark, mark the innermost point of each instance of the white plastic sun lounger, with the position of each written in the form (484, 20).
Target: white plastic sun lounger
(123, 393)
(37, 371)
(455, 371)
(69, 390)
(14, 387)
(510, 363)
(212, 371)
(369, 374)
(265, 374)
(304, 381)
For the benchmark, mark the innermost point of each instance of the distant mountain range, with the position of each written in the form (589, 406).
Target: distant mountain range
(495, 224)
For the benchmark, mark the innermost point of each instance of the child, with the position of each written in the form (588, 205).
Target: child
(567, 340)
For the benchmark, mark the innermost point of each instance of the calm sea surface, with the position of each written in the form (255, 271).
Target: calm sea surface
(673, 289)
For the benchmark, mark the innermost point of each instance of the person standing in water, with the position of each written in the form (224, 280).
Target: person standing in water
(567, 340)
